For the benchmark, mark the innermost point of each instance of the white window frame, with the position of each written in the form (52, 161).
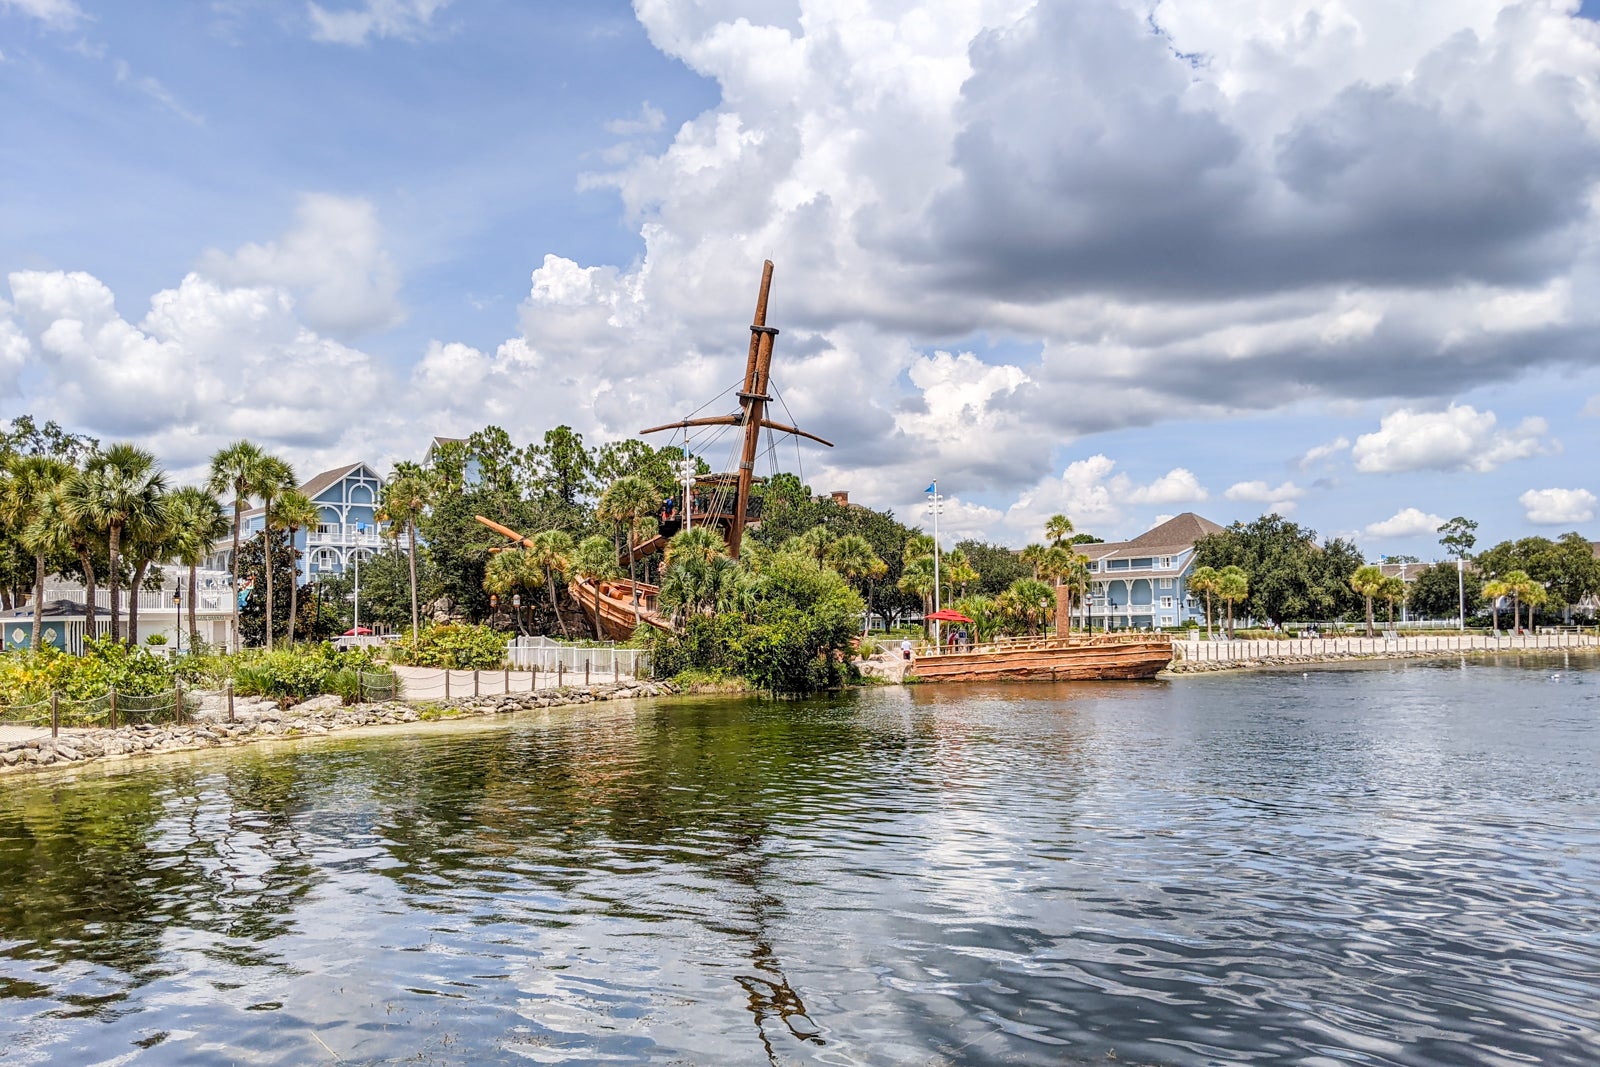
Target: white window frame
(1166, 583)
(1166, 603)
(1166, 563)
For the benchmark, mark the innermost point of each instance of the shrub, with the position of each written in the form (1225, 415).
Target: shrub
(292, 675)
(156, 639)
(457, 646)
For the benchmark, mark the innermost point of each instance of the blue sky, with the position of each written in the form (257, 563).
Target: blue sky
(1121, 258)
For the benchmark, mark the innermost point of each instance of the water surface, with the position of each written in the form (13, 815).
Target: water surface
(1384, 866)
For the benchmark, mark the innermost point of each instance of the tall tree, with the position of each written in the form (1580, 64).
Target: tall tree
(511, 572)
(119, 488)
(625, 502)
(293, 511)
(276, 478)
(29, 486)
(237, 471)
(404, 501)
(595, 560)
(1394, 589)
(550, 553)
(1233, 586)
(198, 523)
(1457, 536)
(147, 545)
(1057, 529)
(855, 561)
(1494, 591)
(1205, 581)
(1368, 584)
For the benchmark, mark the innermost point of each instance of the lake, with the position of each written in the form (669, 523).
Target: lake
(1389, 865)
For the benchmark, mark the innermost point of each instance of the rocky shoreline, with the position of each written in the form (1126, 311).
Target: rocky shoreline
(256, 720)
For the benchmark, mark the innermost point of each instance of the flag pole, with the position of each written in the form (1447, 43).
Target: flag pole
(933, 498)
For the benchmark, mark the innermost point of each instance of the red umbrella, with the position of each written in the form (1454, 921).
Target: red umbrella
(359, 631)
(947, 616)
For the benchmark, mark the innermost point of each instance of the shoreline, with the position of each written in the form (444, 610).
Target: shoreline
(82, 746)
(1338, 659)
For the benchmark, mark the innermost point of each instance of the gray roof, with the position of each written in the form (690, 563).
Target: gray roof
(1177, 534)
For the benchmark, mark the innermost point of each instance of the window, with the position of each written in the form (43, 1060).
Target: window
(1166, 563)
(1166, 620)
(1166, 583)
(1166, 602)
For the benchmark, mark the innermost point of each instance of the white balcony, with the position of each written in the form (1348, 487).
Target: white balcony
(343, 535)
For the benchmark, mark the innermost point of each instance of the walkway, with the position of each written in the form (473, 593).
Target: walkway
(431, 683)
(1311, 648)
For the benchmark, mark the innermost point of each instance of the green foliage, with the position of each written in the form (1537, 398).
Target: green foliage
(253, 616)
(1458, 535)
(997, 566)
(292, 675)
(1290, 575)
(1434, 592)
(457, 646)
(29, 677)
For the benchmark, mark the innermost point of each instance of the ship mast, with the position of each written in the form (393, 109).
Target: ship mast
(752, 415)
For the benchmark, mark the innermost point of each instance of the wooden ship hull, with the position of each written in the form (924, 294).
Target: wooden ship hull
(616, 618)
(1085, 659)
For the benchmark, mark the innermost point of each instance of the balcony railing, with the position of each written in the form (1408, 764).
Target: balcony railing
(344, 534)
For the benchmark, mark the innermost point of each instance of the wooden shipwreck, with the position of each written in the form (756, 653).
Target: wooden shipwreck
(1076, 658)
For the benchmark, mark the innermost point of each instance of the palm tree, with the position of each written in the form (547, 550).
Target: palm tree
(508, 572)
(1233, 585)
(917, 579)
(31, 483)
(1517, 583)
(595, 560)
(626, 501)
(1057, 529)
(1495, 591)
(198, 523)
(276, 478)
(1368, 583)
(855, 561)
(294, 511)
(550, 552)
(701, 543)
(814, 543)
(1055, 564)
(1025, 603)
(1534, 595)
(1033, 556)
(148, 544)
(236, 469)
(1205, 581)
(404, 500)
(1394, 588)
(121, 488)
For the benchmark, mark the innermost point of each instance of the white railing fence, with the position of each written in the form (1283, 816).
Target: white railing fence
(600, 661)
(1224, 651)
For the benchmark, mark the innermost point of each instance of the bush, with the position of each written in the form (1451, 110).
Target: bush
(155, 639)
(292, 675)
(457, 646)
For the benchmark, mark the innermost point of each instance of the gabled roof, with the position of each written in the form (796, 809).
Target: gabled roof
(320, 483)
(1177, 534)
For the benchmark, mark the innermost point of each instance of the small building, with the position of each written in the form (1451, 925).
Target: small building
(1143, 583)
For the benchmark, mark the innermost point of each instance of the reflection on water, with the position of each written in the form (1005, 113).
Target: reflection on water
(1376, 866)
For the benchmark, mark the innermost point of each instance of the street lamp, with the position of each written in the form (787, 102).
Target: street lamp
(516, 606)
(1461, 595)
(177, 607)
(935, 506)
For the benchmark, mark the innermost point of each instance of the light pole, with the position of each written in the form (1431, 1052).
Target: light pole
(177, 607)
(687, 470)
(356, 625)
(516, 607)
(1461, 595)
(934, 505)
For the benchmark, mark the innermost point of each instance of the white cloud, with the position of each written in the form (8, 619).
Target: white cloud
(1278, 499)
(57, 14)
(1458, 438)
(1177, 486)
(152, 88)
(1558, 507)
(649, 120)
(1319, 453)
(1407, 522)
(374, 18)
(333, 260)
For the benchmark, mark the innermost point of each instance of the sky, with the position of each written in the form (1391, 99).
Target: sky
(1118, 259)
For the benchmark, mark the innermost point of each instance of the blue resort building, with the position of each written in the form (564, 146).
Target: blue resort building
(348, 499)
(1143, 583)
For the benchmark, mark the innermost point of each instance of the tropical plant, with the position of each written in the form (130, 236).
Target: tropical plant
(404, 500)
(198, 523)
(814, 543)
(595, 561)
(1205, 581)
(1033, 556)
(625, 502)
(1057, 529)
(1368, 584)
(148, 544)
(119, 489)
(276, 477)
(1494, 591)
(1394, 589)
(1025, 605)
(853, 558)
(237, 469)
(956, 572)
(29, 486)
(293, 511)
(917, 579)
(509, 572)
(1233, 586)
(550, 553)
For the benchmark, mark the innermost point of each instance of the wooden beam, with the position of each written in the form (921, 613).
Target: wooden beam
(769, 424)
